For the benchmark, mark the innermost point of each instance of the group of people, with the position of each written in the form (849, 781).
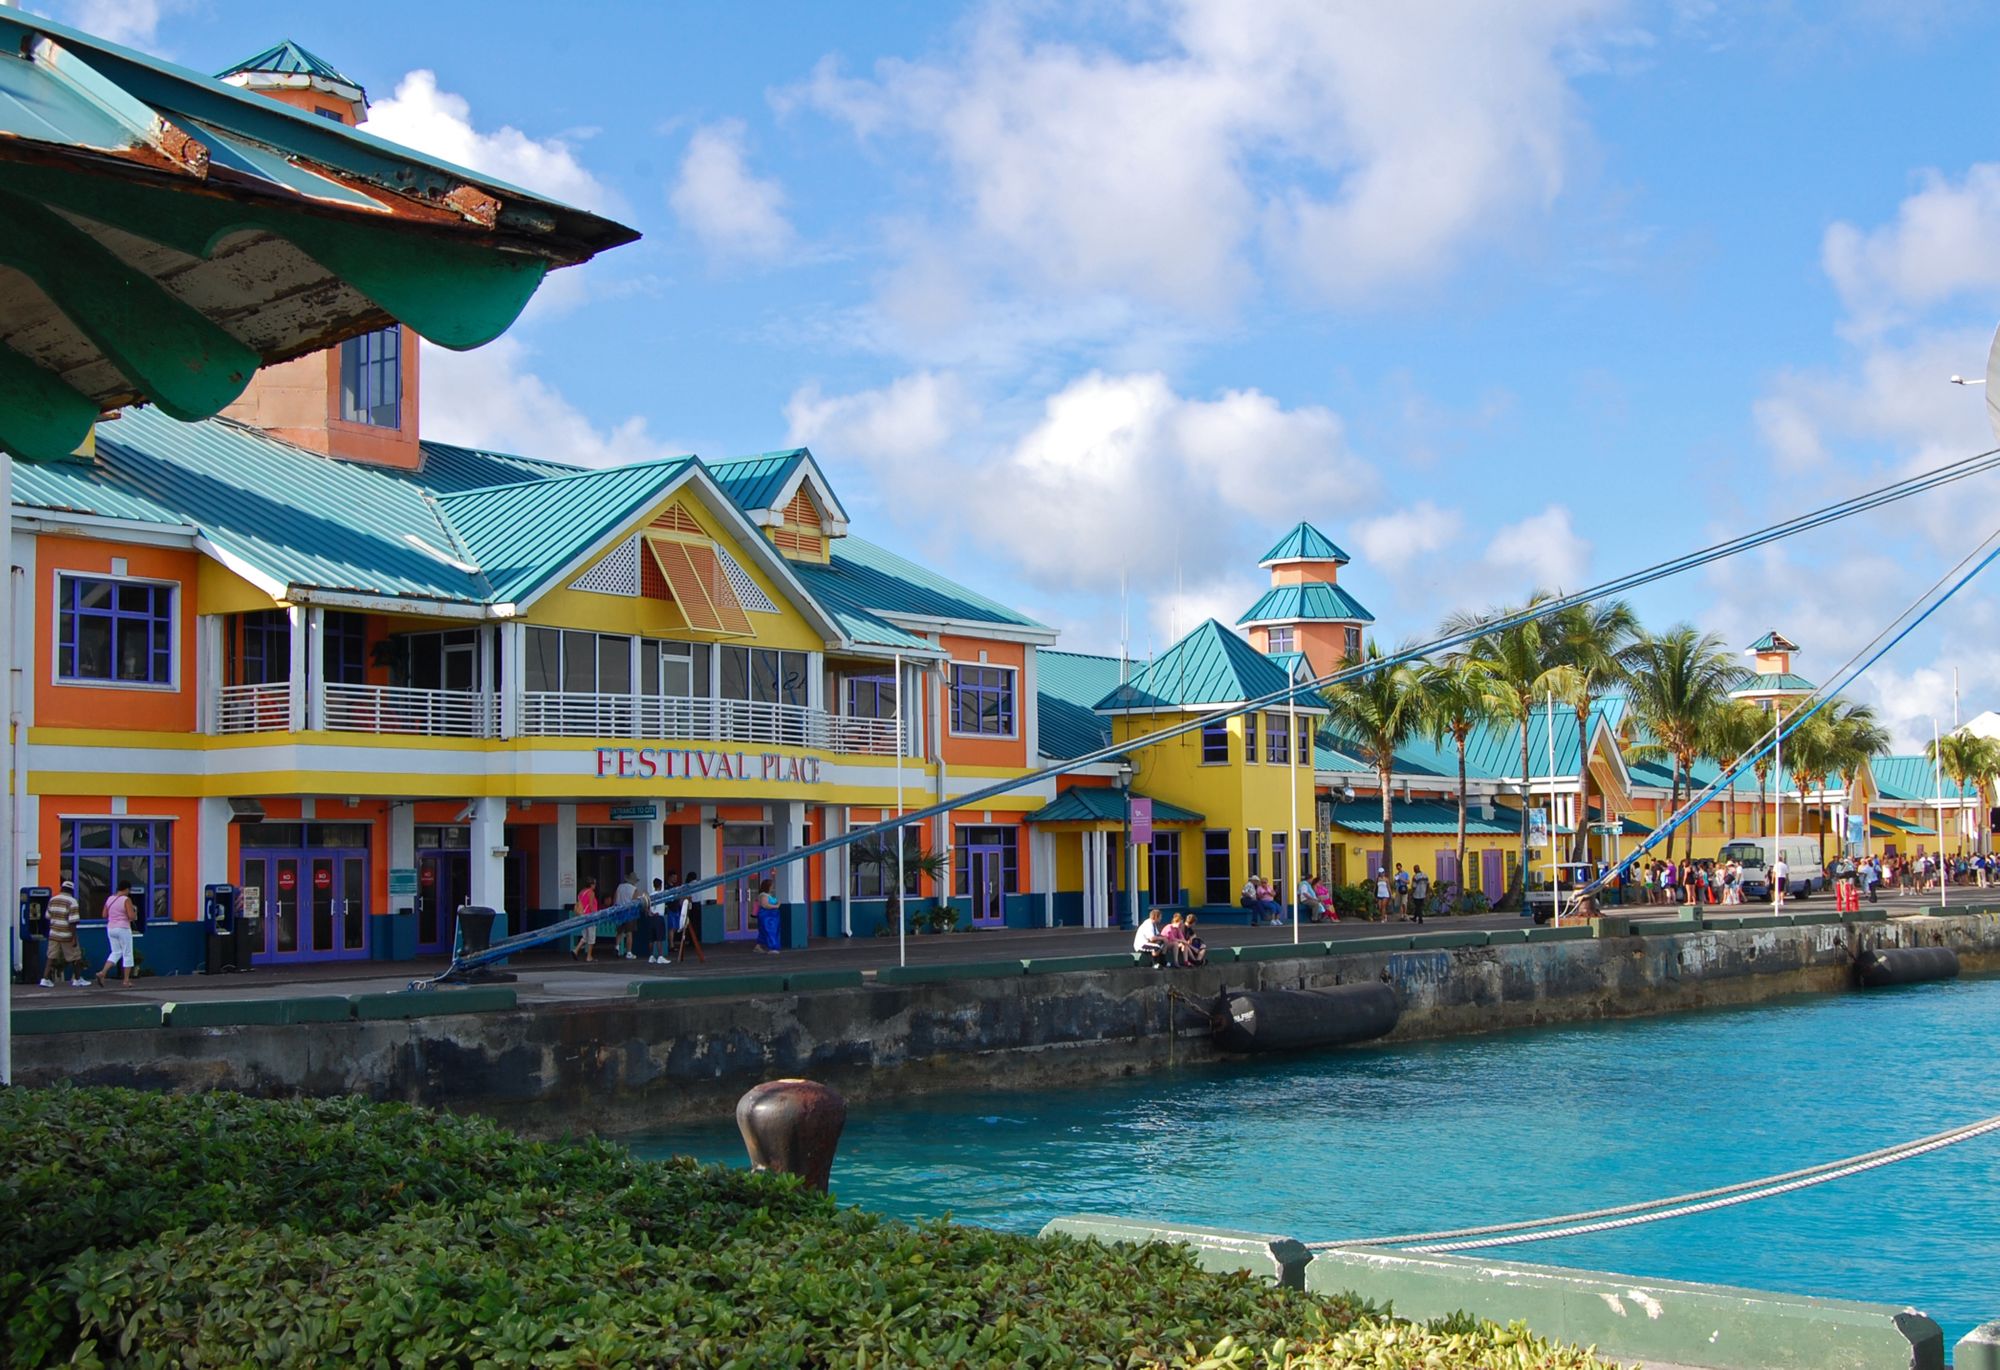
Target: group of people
(662, 935)
(1928, 871)
(1260, 897)
(65, 953)
(1402, 894)
(1173, 943)
(1690, 881)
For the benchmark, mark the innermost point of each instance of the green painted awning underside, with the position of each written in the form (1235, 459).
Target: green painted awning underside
(168, 234)
(1103, 804)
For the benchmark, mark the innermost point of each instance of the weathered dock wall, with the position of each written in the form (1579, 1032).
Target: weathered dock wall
(623, 1065)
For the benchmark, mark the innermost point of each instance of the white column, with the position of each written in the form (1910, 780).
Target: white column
(489, 861)
(839, 880)
(316, 669)
(708, 860)
(300, 625)
(207, 673)
(790, 819)
(513, 676)
(652, 837)
(212, 843)
(489, 687)
(565, 855)
(403, 849)
(1093, 880)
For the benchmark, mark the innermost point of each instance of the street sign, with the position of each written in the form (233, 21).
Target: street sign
(635, 813)
(1142, 821)
(402, 880)
(1538, 828)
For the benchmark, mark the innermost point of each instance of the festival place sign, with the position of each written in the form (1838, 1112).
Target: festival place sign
(689, 763)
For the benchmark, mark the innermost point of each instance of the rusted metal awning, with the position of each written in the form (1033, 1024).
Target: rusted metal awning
(165, 234)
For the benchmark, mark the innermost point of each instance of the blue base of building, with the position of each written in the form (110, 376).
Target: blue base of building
(392, 936)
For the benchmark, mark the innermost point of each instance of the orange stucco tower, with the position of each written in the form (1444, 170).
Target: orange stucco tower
(1305, 612)
(1774, 680)
(357, 400)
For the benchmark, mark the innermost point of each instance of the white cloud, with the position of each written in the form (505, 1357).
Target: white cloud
(1391, 543)
(1360, 147)
(438, 122)
(490, 398)
(1542, 551)
(899, 429)
(736, 215)
(1940, 245)
(132, 22)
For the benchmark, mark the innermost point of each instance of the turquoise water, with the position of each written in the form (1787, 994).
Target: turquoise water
(1515, 1125)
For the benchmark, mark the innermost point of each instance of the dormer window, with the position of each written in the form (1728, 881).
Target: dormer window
(371, 379)
(1279, 640)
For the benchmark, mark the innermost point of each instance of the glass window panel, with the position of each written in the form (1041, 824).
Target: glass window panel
(92, 835)
(649, 666)
(793, 667)
(614, 664)
(92, 594)
(92, 659)
(698, 660)
(735, 672)
(544, 660)
(580, 663)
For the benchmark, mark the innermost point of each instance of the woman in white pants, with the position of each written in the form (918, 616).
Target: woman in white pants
(118, 928)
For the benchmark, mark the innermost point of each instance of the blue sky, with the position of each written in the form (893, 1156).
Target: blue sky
(1070, 295)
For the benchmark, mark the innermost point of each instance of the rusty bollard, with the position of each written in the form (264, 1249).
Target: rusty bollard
(792, 1127)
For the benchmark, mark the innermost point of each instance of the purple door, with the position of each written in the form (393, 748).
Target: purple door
(739, 897)
(1447, 870)
(1492, 876)
(986, 870)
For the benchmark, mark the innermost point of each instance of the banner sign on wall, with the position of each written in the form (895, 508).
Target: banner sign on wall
(689, 763)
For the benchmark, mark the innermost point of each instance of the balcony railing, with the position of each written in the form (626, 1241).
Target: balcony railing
(704, 720)
(462, 713)
(254, 708)
(423, 713)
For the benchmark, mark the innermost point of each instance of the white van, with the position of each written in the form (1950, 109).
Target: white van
(1806, 876)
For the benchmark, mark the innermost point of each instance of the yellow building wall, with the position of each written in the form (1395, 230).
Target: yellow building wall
(219, 590)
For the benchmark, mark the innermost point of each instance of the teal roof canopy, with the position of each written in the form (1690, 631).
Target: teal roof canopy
(169, 233)
(1068, 684)
(287, 58)
(1422, 818)
(1104, 804)
(1313, 603)
(1774, 642)
(1913, 779)
(1303, 543)
(1773, 682)
(1211, 665)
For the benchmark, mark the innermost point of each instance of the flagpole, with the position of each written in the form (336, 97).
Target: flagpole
(902, 913)
(1555, 868)
(1292, 776)
(1937, 781)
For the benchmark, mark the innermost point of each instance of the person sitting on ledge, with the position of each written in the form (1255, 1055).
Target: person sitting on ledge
(1174, 938)
(1193, 949)
(1258, 900)
(1146, 937)
(1310, 903)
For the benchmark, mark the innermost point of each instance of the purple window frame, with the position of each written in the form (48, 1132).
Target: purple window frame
(1277, 644)
(371, 378)
(147, 863)
(1215, 744)
(142, 606)
(881, 687)
(982, 700)
(1250, 726)
(1277, 740)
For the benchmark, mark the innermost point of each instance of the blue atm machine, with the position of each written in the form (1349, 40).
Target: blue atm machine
(34, 931)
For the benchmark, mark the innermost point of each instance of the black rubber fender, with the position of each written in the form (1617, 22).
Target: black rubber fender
(1261, 1020)
(1882, 966)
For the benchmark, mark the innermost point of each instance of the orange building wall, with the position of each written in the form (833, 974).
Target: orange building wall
(145, 707)
(985, 751)
(1306, 573)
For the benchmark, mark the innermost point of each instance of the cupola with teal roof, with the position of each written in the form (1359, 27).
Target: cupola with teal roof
(1774, 678)
(291, 75)
(1306, 612)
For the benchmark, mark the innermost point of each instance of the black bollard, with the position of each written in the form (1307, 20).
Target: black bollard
(792, 1127)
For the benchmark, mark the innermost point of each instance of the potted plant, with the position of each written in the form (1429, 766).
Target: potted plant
(880, 856)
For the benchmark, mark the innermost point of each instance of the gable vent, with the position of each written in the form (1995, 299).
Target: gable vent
(616, 574)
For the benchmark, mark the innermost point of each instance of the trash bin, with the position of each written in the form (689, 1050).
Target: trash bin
(219, 912)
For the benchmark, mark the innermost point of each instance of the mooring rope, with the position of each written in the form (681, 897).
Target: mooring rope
(1674, 1206)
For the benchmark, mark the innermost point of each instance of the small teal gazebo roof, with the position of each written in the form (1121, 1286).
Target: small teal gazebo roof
(1313, 603)
(1774, 641)
(1304, 543)
(1211, 665)
(289, 59)
(1773, 683)
(1102, 804)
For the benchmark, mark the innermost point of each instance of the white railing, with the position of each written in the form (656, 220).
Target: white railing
(254, 708)
(395, 709)
(704, 720)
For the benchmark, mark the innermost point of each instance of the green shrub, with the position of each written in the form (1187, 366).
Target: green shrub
(154, 1230)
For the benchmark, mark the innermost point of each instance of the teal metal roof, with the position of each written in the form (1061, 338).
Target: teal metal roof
(1774, 682)
(521, 534)
(1421, 818)
(1293, 663)
(295, 516)
(877, 581)
(1774, 642)
(754, 482)
(1888, 825)
(1211, 665)
(1103, 804)
(1314, 603)
(448, 469)
(1067, 685)
(289, 59)
(1494, 752)
(1332, 752)
(1913, 780)
(1304, 543)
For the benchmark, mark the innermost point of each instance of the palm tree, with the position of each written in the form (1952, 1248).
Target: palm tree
(1455, 700)
(1586, 639)
(1379, 711)
(1678, 680)
(1515, 663)
(1812, 753)
(1858, 739)
(1963, 758)
(1732, 732)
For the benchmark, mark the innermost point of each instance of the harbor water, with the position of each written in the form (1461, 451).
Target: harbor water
(1509, 1126)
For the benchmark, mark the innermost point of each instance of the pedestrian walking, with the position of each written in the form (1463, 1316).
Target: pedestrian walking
(118, 920)
(586, 907)
(1420, 893)
(627, 893)
(65, 957)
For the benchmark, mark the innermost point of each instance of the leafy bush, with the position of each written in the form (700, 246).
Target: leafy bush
(154, 1230)
(1353, 901)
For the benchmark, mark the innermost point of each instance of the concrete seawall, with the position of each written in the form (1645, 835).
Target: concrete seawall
(623, 1065)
